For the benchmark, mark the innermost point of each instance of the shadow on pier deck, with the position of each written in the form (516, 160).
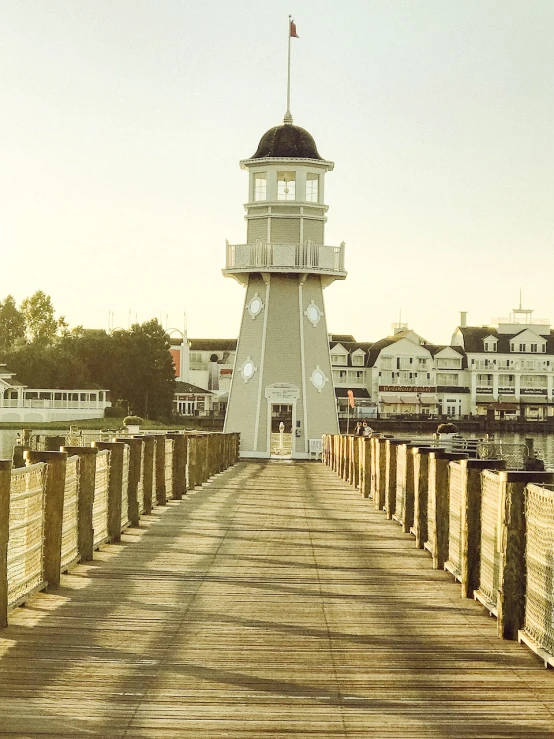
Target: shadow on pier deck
(273, 602)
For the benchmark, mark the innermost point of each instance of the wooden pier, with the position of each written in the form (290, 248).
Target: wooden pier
(274, 601)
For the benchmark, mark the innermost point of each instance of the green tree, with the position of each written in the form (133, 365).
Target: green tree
(40, 322)
(12, 324)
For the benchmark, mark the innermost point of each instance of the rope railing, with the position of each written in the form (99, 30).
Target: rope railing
(538, 625)
(64, 505)
(482, 517)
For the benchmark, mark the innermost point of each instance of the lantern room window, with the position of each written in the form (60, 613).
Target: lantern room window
(260, 186)
(312, 188)
(286, 185)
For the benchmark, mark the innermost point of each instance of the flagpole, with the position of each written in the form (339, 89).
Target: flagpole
(288, 116)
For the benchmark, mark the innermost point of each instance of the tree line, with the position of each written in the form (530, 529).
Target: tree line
(134, 365)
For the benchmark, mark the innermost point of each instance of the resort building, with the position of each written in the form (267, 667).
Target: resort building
(19, 403)
(510, 366)
(506, 369)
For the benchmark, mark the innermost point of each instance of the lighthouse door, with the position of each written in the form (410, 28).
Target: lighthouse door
(281, 430)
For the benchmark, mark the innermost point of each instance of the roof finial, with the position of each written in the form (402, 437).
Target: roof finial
(287, 120)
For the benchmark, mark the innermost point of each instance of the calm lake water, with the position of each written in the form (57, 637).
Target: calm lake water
(544, 443)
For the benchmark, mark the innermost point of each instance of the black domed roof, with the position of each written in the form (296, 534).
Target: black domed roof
(287, 141)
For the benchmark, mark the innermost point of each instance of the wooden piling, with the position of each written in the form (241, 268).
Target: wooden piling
(159, 461)
(53, 443)
(391, 447)
(87, 477)
(148, 472)
(179, 465)
(192, 454)
(365, 466)
(511, 543)
(421, 493)
(53, 512)
(136, 447)
(5, 484)
(115, 486)
(380, 497)
(439, 506)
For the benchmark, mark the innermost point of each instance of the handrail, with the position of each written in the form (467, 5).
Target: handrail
(282, 256)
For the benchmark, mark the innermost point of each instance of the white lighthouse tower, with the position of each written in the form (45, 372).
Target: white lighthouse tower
(282, 390)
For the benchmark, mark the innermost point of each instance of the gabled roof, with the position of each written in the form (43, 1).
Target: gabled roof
(186, 387)
(378, 346)
(341, 338)
(213, 345)
(474, 336)
(437, 348)
(351, 347)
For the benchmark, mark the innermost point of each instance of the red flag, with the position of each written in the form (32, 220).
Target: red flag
(293, 30)
(350, 398)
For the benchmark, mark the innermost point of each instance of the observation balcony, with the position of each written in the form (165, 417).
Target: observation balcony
(262, 256)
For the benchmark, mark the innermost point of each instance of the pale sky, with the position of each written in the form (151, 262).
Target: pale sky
(123, 123)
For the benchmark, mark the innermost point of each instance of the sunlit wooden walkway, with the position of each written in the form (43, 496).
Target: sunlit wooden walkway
(273, 602)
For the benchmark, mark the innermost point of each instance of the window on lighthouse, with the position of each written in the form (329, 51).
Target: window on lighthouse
(286, 185)
(260, 186)
(312, 188)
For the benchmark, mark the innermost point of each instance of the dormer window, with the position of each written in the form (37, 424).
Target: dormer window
(312, 187)
(260, 186)
(490, 344)
(286, 185)
(358, 360)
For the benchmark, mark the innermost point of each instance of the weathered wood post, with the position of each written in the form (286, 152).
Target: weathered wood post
(439, 506)
(401, 480)
(87, 477)
(365, 466)
(391, 447)
(135, 458)
(511, 543)
(5, 484)
(355, 461)
(470, 521)
(211, 455)
(18, 455)
(192, 454)
(408, 503)
(228, 450)
(421, 493)
(53, 443)
(325, 447)
(346, 463)
(220, 452)
(374, 469)
(53, 511)
(179, 465)
(380, 498)
(201, 446)
(159, 451)
(115, 486)
(148, 452)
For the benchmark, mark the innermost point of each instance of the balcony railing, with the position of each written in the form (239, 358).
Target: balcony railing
(286, 257)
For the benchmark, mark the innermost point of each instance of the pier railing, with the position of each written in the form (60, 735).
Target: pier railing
(490, 525)
(63, 505)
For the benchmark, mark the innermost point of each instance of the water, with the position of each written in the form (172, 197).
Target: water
(543, 443)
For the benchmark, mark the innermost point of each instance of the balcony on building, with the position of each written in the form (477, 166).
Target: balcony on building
(307, 258)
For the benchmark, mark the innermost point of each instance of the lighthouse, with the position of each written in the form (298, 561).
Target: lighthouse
(282, 392)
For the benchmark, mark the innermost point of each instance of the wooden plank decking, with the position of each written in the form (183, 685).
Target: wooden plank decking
(274, 602)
